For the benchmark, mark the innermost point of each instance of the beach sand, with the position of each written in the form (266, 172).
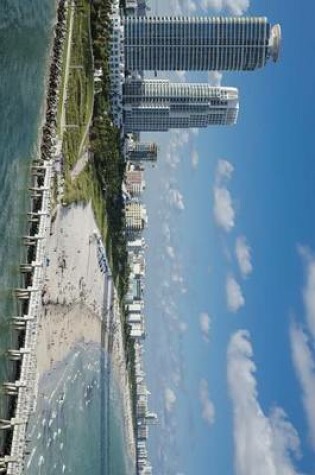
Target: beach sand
(73, 297)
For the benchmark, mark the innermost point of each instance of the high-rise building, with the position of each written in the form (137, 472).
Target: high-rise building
(134, 181)
(199, 43)
(159, 105)
(141, 151)
(136, 217)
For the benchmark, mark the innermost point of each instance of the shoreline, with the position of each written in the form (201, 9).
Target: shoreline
(74, 301)
(93, 308)
(64, 296)
(21, 392)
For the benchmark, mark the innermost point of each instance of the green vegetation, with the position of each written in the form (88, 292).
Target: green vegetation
(80, 88)
(109, 168)
(131, 365)
(78, 115)
(109, 164)
(88, 127)
(63, 75)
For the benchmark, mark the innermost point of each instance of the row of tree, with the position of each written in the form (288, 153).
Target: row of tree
(105, 143)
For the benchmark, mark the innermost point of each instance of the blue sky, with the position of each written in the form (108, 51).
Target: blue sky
(231, 270)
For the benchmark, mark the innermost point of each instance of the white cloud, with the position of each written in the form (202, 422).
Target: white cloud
(215, 78)
(243, 255)
(183, 327)
(194, 159)
(208, 410)
(170, 251)
(177, 278)
(309, 289)
(176, 199)
(223, 208)
(191, 6)
(303, 343)
(205, 325)
(182, 7)
(169, 399)
(181, 75)
(234, 296)
(304, 364)
(166, 231)
(224, 171)
(165, 284)
(178, 140)
(176, 377)
(235, 7)
(194, 131)
(264, 445)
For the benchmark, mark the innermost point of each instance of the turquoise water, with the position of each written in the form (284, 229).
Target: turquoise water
(78, 426)
(25, 33)
(89, 436)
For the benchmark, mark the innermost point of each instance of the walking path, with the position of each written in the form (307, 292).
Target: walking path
(80, 165)
(67, 67)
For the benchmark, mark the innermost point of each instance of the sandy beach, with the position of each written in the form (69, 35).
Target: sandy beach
(74, 293)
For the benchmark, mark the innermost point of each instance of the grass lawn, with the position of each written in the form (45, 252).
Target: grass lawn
(78, 114)
(63, 73)
(80, 88)
(106, 171)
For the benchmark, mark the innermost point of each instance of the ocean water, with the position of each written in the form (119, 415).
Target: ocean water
(78, 426)
(86, 434)
(25, 34)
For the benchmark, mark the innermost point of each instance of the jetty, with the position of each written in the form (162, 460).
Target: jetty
(20, 391)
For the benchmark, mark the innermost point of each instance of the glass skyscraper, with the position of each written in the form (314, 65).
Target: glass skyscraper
(158, 105)
(199, 43)
(141, 151)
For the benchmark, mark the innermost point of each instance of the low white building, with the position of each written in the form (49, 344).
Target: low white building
(137, 330)
(136, 245)
(137, 263)
(135, 307)
(135, 318)
(134, 181)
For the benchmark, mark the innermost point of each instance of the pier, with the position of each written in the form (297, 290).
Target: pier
(21, 392)
(23, 389)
